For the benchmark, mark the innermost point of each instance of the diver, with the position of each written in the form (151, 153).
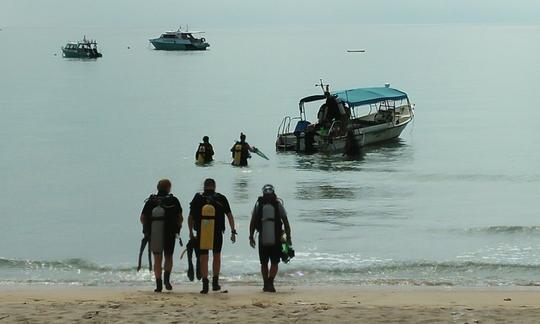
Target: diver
(241, 152)
(352, 149)
(207, 217)
(205, 152)
(162, 219)
(332, 108)
(269, 218)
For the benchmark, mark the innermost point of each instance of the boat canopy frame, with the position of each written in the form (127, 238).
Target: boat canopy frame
(358, 97)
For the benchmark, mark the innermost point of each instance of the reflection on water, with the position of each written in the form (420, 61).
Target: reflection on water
(241, 188)
(309, 191)
(388, 152)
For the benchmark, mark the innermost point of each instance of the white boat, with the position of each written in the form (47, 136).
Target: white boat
(364, 115)
(180, 41)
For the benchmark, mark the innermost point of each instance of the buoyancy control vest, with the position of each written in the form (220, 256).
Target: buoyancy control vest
(269, 223)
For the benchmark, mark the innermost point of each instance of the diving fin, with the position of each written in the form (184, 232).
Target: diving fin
(189, 249)
(259, 153)
(144, 242)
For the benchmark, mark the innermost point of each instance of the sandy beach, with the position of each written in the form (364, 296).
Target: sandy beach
(289, 305)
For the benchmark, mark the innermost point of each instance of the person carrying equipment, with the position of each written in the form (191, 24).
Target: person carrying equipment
(240, 152)
(269, 219)
(205, 152)
(162, 219)
(207, 217)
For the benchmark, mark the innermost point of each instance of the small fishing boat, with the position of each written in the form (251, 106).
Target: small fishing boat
(180, 41)
(357, 117)
(81, 49)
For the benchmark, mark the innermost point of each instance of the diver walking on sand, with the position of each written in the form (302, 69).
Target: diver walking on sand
(162, 220)
(205, 152)
(207, 217)
(269, 219)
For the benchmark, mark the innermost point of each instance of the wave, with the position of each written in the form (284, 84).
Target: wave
(306, 268)
(67, 264)
(506, 229)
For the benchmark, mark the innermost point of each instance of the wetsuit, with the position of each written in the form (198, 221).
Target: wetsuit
(267, 252)
(244, 155)
(172, 208)
(222, 207)
(206, 150)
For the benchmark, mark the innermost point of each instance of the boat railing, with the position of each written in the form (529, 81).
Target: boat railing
(285, 126)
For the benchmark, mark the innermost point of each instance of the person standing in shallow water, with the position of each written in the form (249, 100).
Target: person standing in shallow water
(207, 217)
(162, 220)
(240, 152)
(269, 219)
(205, 152)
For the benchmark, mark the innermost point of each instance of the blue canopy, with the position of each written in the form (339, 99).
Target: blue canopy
(366, 96)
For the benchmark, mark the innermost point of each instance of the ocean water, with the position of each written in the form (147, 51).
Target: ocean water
(454, 201)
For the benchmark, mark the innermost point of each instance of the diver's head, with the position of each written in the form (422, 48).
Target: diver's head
(164, 186)
(209, 186)
(205, 139)
(269, 193)
(242, 137)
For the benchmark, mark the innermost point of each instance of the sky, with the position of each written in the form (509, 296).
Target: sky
(245, 13)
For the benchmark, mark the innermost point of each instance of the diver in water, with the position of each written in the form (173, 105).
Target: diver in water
(162, 220)
(269, 219)
(207, 217)
(332, 108)
(241, 152)
(352, 149)
(205, 152)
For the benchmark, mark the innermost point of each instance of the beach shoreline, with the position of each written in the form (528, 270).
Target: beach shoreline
(247, 304)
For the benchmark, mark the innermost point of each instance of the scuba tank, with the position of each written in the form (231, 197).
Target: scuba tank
(208, 219)
(158, 228)
(268, 226)
(201, 154)
(237, 154)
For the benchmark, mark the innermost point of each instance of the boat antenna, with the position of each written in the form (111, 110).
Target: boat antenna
(321, 84)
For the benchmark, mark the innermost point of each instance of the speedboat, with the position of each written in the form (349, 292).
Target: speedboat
(180, 41)
(360, 117)
(81, 49)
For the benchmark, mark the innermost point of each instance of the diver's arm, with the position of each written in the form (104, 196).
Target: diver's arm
(286, 225)
(230, 217)
(190, 226)
(180, 221)
(252, 228)
(143, 219)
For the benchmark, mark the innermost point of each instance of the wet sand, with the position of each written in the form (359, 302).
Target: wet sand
(289, 305)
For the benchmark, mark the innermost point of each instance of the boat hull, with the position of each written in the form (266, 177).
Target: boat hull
(332, 145)
(177, 45)
(82, 55)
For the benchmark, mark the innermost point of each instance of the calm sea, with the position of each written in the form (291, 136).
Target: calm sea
(453, 202)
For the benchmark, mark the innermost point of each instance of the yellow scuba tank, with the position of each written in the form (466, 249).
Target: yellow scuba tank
(237, 154)
(208, 219)
(200, 156)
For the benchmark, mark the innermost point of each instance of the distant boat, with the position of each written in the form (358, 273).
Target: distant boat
(81, 49)
(180, 41)
(365, 116)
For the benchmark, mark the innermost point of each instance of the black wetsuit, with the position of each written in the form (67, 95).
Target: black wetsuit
(172, 208)
(206, 150)
(221, 204)
(244, 155)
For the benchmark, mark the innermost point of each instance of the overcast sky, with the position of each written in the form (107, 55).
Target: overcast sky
(215, 13)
